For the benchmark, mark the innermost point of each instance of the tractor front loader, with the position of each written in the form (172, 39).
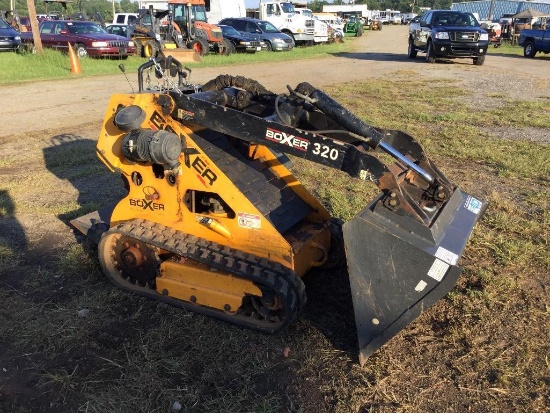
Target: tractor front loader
(154, 34)
(215, 222)
(189, 28)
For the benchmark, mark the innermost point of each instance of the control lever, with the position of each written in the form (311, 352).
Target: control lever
(123, 70)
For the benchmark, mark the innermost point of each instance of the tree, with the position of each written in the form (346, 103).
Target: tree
(34, 25)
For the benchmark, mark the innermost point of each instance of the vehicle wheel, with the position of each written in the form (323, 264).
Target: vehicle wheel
(28, 48)
(269, 47)
(430, 55)
(232, 48)
(227, 47)
(478, 61)
(139, 48)
(150, 49)
(200, 46)
(80, 51)
(412, 51)
(291, 35)
(529, 49)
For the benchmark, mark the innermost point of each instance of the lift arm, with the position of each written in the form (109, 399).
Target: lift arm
(311, 125)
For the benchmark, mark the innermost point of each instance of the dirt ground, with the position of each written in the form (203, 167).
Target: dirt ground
(69, 104)
(56, 112)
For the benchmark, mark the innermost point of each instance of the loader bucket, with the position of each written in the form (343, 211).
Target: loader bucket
(399, 267)
(184, 55)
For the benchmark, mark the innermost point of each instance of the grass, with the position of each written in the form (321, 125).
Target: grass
(56, 65)
(459, 129)
(506, 48)
(483, 347)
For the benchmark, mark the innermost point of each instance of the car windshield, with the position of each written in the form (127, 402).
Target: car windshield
(268, 27)
(198, 13)
(3, 24)
(85, 28)
(230, 31)
(119, 30)
(455, 19)
(287, 7)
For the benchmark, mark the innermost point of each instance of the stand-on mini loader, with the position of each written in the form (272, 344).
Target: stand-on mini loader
(215, 222)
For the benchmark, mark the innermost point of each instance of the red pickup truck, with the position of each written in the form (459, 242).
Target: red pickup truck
(87, 38)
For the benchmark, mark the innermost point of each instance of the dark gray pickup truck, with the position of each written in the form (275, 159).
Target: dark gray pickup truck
(448, 34)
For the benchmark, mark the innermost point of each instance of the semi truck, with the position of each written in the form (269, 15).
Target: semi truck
(300, 25)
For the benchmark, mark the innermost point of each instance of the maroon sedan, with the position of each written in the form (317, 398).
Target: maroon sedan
(87, 38)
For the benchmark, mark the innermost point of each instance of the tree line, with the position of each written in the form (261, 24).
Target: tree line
(86, 7)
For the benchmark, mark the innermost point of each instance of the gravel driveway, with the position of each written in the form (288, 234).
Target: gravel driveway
(69, 104)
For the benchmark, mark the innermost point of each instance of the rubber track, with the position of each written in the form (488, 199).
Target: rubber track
(259, 270)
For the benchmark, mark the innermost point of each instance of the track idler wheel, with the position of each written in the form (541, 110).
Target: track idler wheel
(127, 260)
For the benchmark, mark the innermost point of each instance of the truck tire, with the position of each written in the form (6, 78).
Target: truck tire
(411, 51)
(430, 54)
(478, 61)
(529, 50)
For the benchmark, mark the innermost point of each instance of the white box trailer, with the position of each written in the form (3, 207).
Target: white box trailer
(346, 10)
(157, 4)
(215, 9)
(221, 9)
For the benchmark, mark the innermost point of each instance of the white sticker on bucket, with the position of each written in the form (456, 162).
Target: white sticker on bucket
(438, 270)
(445, 255)
(420, 286)
(472, 204)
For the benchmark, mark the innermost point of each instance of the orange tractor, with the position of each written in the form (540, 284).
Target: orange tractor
(189, 28)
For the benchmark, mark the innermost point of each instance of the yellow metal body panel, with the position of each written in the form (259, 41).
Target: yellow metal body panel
(161, 199)
(198, 284)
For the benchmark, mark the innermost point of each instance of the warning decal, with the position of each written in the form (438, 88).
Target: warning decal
(473, 205)
(438, 269)
(251, 221)
(445, 255)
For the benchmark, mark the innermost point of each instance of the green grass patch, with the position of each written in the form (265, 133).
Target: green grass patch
(6, 253)
(420, 107)
(56, 65)
(506, 49)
